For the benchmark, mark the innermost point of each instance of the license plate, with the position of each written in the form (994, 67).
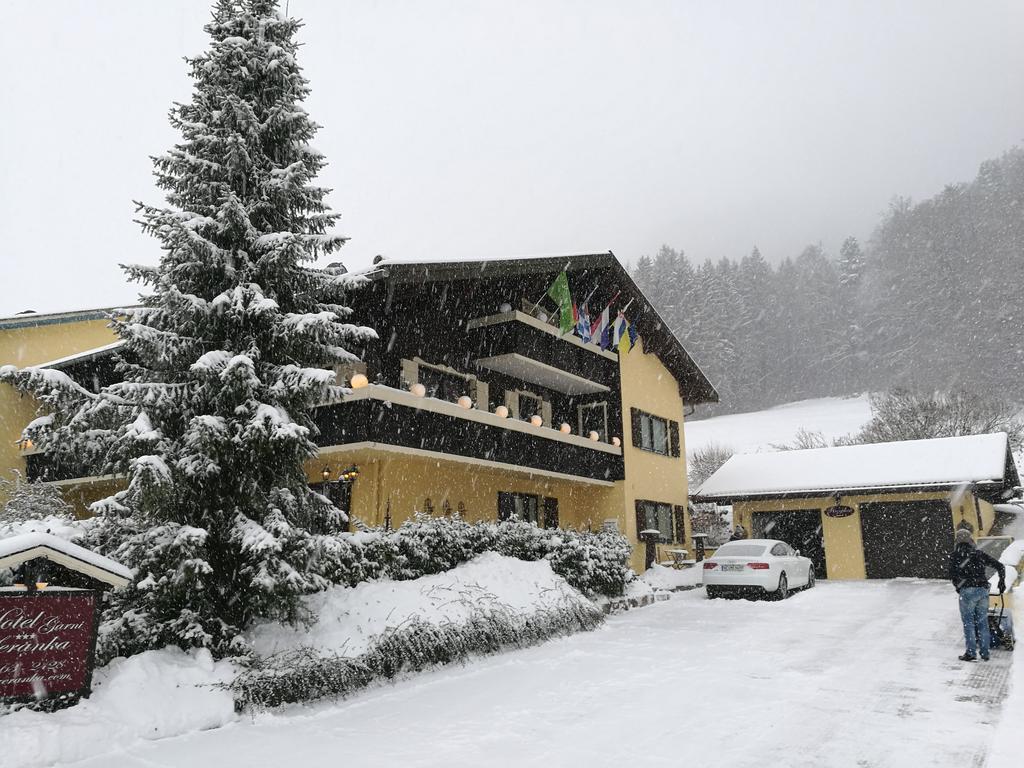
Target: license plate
(732, 567)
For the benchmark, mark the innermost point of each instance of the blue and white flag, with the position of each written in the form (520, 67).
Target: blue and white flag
(583, 324)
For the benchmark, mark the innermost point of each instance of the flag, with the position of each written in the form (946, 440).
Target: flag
(583, 324)
(619, 329)
(559, 293)
(603, 330)
(628, 338)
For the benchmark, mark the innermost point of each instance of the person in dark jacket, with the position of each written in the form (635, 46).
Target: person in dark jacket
(967, 566)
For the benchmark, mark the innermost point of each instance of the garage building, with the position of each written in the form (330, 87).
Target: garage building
(873, 511)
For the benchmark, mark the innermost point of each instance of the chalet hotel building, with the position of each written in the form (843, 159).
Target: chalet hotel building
(472, 401)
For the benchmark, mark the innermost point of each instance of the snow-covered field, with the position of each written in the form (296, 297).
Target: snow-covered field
(759, 430)
(848, 674)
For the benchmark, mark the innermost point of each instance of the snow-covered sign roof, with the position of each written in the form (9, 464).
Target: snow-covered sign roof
(16, 550)
(982, 460)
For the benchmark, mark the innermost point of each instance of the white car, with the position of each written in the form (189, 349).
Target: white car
(766, 566)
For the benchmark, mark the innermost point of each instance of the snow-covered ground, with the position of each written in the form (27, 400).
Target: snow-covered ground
(759, 430)
(168, 693)
(847, 674)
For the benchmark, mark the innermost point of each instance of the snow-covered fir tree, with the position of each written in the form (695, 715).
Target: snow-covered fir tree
(231, 349)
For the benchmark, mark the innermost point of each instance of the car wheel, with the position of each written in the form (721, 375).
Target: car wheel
(810, 578)
(783, 591)
(712, 593)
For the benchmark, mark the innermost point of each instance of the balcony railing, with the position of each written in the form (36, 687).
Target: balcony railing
(519, 345)
(393, 417)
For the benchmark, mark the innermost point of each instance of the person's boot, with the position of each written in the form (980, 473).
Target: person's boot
(967, 657)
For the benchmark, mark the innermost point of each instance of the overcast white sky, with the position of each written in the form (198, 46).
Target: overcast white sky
(470, 129)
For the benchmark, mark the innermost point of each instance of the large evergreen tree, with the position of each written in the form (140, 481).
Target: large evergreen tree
(224, 361)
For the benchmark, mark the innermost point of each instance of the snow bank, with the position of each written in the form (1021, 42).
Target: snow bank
(661, 577)
(379, 630)
(150, 696)
(350, 620)
(1007, 750)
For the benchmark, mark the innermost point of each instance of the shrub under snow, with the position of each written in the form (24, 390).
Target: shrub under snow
(381, 629)
(593, 563)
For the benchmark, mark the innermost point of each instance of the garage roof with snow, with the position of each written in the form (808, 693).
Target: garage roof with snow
(983, 461)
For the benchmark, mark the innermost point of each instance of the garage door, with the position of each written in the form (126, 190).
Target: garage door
(909, 538)
(800, 528)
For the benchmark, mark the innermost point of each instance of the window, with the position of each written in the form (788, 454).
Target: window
(443, 385)
(530, 405)
(654, 434)
(521, 506)
(740, 550)
(780, 550)
(594, 417)
(654, 515)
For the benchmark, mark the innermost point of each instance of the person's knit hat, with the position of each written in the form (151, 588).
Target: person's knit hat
(963, 536)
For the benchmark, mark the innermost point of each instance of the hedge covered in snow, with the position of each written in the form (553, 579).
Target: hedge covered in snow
(381, 629)
(595, 563)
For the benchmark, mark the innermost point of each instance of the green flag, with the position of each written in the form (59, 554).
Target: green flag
(559, 293)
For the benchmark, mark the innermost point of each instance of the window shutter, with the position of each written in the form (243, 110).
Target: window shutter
(512, 402)
(641, 519)
(673, 438)
(410, 373)
(679, 520)
(634, 426)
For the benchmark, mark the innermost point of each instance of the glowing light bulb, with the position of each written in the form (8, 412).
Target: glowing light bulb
(466, 402)
(565, 429)
(536, 420)
(418, 390)
(359, 381)
(501, 412)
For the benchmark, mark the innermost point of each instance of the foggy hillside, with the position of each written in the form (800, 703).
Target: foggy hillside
(932, 301)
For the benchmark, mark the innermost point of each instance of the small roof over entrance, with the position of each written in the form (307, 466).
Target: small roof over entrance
(16, 550)
(983, 462)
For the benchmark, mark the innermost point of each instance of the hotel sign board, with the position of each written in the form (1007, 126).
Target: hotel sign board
(47, 644)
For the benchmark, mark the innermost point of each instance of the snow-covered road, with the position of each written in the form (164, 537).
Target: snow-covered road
(848, 674)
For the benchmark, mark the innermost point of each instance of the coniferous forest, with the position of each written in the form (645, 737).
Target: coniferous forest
(932, 301)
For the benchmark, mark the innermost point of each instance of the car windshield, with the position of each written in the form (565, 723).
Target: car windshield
(740, 550)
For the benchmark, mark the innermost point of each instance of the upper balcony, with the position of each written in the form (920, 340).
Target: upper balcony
(524, 347)
(379, 416)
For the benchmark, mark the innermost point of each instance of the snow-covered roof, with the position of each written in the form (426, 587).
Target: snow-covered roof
(658, 338)
(15, 550)
(85, 354)
(940, 462)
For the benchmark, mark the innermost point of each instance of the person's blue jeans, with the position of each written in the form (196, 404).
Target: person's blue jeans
(974, 614)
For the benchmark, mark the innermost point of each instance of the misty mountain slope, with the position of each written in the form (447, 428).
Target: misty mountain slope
(933, 301)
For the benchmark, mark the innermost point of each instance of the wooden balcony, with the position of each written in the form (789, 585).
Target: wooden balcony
(519, 345)
(381, 416)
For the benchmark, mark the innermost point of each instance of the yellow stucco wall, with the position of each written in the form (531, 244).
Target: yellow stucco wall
(844, 547)
(648, 385)
(407, 481)
(38, 340)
